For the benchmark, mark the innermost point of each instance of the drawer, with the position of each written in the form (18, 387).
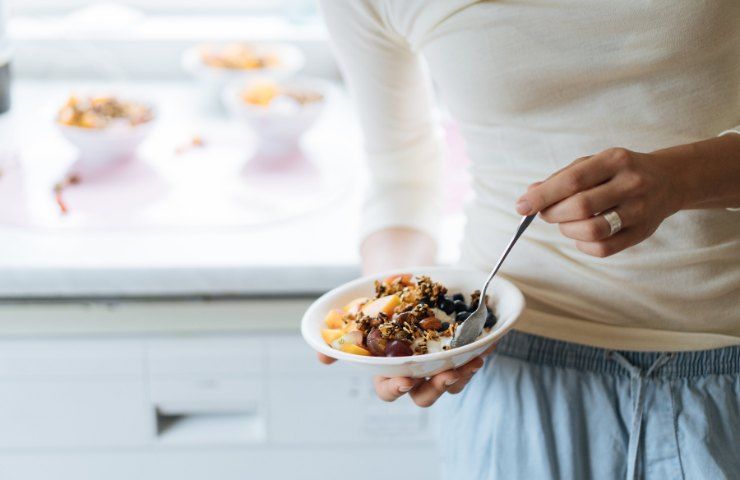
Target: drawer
(339, 408)
(103, 357)
(204, 355)
(290, 354)
(74, 412)
(206, 394)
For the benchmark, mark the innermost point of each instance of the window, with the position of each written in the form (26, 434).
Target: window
(57, 7)
(145, 38)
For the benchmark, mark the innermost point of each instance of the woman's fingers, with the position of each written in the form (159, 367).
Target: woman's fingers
(466, 371)
(630, 183)
(596, 228)
(576, 178)
(426, 393)
(616, 243)
(574, 162)
(325, 359)
(451, 381)
(390, 389)
(591, 230)
(585, 204)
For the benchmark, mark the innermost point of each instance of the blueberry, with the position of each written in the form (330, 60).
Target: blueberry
(458, 297)
(459, 306)
(445, 326)
(447, 306)
(490, 319)
(461, 317)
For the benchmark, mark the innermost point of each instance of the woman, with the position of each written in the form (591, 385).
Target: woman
(617, 123)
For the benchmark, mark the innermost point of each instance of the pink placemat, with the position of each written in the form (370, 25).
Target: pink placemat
(172, 183)
(223, 183)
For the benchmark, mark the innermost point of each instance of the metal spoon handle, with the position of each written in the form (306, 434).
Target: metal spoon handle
(522, 226)
(473, 325)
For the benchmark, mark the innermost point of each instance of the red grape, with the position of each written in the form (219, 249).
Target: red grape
(376, 343)
(398, 348)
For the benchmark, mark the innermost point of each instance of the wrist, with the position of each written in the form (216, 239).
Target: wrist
(703, 174)
(679, 169)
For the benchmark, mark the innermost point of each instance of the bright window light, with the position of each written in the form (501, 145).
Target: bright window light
(50, 7)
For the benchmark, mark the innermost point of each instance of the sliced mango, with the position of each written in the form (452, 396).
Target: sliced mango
(334, 319)
(331, 334)
(353, 336)
(383, 304)
(352, 348)
(355, 305)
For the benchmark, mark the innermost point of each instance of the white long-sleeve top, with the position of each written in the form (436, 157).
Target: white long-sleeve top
(534, 85)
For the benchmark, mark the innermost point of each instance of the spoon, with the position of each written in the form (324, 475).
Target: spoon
(472, 327)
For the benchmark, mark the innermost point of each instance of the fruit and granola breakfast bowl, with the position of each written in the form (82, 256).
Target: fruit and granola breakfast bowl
(278, 112)
(104, 128)
(245, 58)
(217, 65)
(402, 323)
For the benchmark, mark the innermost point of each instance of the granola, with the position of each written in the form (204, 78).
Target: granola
(237, 56)
(98, 112)
(406, 316)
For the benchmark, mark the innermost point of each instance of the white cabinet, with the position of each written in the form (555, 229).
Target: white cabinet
(223, 404)
(314, 403)
(209, 389)
(206, 374)
(73, 393)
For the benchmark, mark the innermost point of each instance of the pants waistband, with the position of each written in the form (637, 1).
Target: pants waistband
(545, 351)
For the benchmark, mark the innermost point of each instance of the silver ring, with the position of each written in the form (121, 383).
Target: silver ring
(615, 223)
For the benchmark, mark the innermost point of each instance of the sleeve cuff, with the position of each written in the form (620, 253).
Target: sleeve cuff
(412, 207)
(404, 188)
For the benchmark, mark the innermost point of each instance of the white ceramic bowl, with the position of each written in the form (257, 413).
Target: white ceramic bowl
(214, 79)
(505, 299)
(97, 146)
(279, 129)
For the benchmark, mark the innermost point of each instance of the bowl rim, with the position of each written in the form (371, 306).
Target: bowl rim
(92, 131)
(325, 349)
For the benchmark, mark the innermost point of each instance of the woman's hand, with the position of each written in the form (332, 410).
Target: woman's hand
(642, 188)
(400, 248)
(424, 392)
(639, 187)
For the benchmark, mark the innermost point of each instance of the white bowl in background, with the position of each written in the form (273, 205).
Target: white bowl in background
(505, 299)
(117, 141)
(278, 128)
(214, 79)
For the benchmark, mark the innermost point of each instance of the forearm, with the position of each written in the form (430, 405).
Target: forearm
(707, 173)
(396, 248)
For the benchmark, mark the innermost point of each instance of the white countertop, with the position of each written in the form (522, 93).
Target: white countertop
(304, 255)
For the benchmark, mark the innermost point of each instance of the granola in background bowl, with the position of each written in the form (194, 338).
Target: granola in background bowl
(102, 112)
(104, 128)
(217, 65)
(239, 56)
(279, 112)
